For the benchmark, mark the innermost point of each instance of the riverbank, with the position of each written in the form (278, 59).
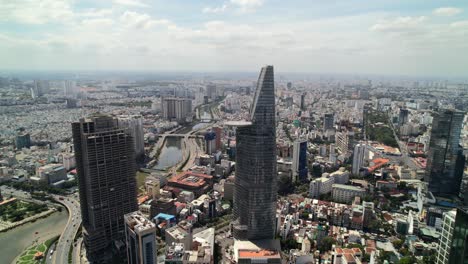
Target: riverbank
(15, 241)
(5, 226)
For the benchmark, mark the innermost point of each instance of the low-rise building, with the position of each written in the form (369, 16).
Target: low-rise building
(346, 193)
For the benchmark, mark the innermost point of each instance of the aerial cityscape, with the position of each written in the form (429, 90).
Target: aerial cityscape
(188, 144)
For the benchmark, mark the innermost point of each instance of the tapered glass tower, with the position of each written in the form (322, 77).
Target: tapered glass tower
(256, 177)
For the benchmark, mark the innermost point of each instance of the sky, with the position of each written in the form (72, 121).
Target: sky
(389, 37)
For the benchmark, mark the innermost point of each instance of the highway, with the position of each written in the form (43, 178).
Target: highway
(62, 248)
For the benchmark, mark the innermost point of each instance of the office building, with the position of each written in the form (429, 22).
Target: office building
(328, 121)
(345, 193)
(303, 103)
(197, 183)
(22, 140)
(256, 175)
(178, 109)
(219, 134)
(69, 88)
(299, 163)
(403, 116)
(153, 187)
(162, 205)
(106, 168)
(344, 141)
(140, 238)
(359, 157)
(445, 242)
(322, 185)
(459, 246)
(40, 87)
(181, 233)
(51, 173)
(211, 91)
(248, 252)
(445, 159)
(134, 125)
(210, 142)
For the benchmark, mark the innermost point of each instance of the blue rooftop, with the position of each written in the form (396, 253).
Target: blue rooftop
(164, 216)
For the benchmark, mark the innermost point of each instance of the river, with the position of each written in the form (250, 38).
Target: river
(171, 153)
(14, 241)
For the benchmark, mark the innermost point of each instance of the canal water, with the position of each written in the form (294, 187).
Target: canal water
(171, 153)
(14, 241)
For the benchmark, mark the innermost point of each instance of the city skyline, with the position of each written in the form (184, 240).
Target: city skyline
(352, 37)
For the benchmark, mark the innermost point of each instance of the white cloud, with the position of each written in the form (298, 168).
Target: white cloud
(97, 22)
(215, 10)
(36, 12)
(122, 40)
(140, 21)
(400, 24)
(133, 3)
(247, 5)
(96, 12)
(460, 24)
(447, 11)
(243, 6)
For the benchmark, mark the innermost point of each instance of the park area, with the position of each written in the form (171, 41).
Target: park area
(378, 128)
(18, 210)
(36, 254)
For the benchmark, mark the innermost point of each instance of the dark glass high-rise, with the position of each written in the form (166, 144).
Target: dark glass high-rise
(256, 174)
(445, 160)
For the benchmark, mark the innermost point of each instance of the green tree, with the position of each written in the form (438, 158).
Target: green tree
(285, 185)
(407, 260)
(326, 244)
(398, 243)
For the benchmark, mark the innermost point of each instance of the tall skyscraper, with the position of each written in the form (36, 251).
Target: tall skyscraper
(140, 238)
(69, 88)
(40, 87)
(134, 125)
(448, 224)
(256, 174)
(106, 167)
(211, 91)
(453, 244)
(176, 108)
(303, 106)
(403, 116)
(328, 121)
(459, 248)
(359, 156)
(445, 160)
(299, 162)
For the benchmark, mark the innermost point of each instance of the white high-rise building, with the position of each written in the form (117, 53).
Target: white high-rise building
(69, 88)
(140, 237)
(445, 242)
(299, 161)
(134, 124)
(359, 156)
(178, 109)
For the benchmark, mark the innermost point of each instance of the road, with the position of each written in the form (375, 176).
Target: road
(74, 221)
(405, 158)
(7, 191)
